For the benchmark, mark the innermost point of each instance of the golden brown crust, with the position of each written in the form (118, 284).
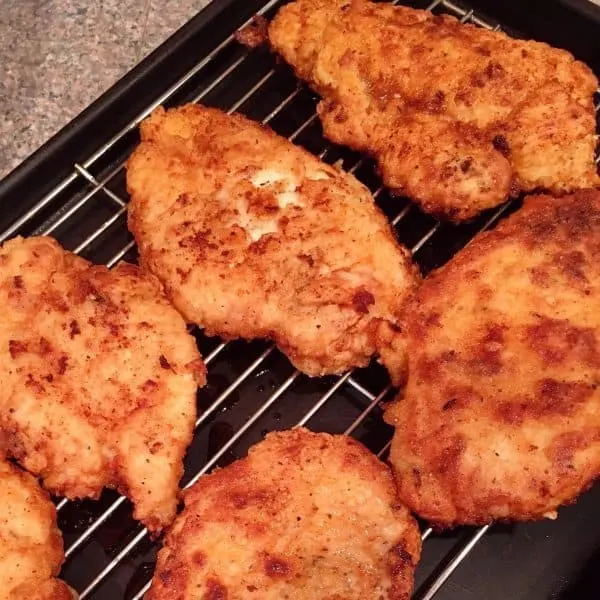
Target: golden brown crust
(31, 548)
(306, 516)
(499, 418)
(458, 117)
(254, 237)
(98, 377)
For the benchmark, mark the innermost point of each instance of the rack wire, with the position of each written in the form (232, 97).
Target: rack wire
(365, 390)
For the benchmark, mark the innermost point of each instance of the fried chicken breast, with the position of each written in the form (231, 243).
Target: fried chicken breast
(500, 417)
(31, 549)
(98, 375)
(307, 516)
(254, 237)
(457, 117)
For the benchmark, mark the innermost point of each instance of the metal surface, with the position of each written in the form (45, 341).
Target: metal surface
(251, 386)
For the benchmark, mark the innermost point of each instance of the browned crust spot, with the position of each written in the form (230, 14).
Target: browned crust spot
(215, 590)
(361, 300)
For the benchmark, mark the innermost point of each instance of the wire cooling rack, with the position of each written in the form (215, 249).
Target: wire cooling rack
(251, 387)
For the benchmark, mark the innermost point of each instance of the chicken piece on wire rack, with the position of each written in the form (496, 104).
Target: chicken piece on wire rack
(126, 558)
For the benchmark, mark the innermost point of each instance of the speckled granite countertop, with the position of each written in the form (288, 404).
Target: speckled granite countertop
(57, 56)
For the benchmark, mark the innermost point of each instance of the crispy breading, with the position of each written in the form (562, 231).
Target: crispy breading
(98, 375)
(31, 549)
(308, 516)
(457, 117)
(254, 237)
(500, 416)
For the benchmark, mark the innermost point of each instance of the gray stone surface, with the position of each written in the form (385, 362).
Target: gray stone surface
(57, 56)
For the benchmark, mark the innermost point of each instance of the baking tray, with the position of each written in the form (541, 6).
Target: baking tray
(74, 188)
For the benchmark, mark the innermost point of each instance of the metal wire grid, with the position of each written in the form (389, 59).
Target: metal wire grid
(119, 206)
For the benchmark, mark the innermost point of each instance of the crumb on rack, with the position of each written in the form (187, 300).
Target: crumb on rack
(255, 34)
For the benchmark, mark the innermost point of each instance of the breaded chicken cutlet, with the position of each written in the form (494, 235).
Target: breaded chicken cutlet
(307, 516)
(254, 237)
(500, 417)
(31, 548)
(457, 117)
(99, 378)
